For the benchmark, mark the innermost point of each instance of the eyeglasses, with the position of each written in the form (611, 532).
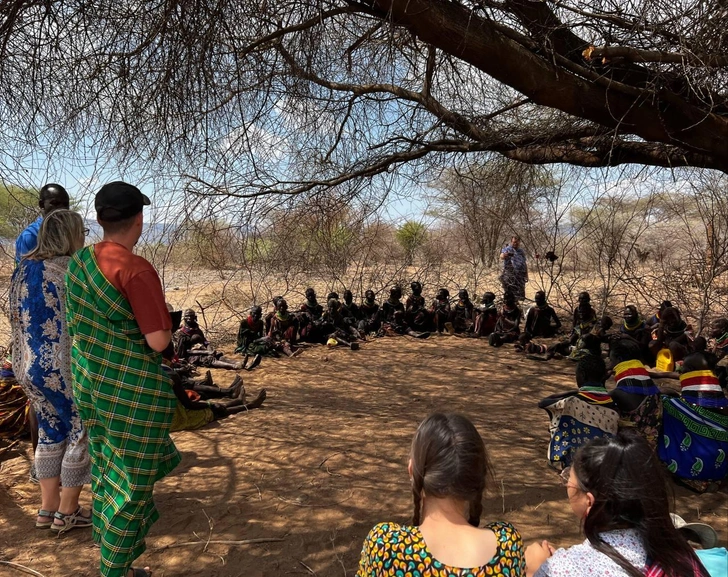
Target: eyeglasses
(86, 231)
(565, 477)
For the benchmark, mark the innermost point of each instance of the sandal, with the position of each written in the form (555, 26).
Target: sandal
(139, 572)
(70, 521)
(45, 524)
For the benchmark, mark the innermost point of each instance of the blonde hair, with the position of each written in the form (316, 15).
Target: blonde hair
(59, 235)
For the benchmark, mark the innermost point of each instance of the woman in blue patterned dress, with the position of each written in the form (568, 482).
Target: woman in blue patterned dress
(41, 359)
(448, 469)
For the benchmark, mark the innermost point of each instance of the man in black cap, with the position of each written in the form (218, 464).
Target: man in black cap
(51, 197)
(119, 324)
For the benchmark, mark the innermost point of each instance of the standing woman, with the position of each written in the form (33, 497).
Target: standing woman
(42, 364)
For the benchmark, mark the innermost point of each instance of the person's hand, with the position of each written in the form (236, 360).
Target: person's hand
(536, 554)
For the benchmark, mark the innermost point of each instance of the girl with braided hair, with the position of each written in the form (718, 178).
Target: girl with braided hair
(448, 468)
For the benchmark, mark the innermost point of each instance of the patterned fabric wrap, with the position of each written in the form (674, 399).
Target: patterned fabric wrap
(127, 404)
(190, 419)
(631, 377)
(14, 405)
(576, 419)
(645, 419)
(42, 365)
(392, 550)
(703, 389)
(694, 441)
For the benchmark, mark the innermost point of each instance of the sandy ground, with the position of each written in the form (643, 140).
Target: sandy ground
(326, 459)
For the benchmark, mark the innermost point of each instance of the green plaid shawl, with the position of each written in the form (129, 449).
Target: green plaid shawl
(126, 404)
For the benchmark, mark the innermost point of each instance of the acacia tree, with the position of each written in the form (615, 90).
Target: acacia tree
(254, 97)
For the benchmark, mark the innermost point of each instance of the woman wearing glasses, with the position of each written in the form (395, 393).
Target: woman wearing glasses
(616, 489)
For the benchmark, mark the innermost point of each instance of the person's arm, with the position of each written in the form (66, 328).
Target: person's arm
(536, 555)
(159, 340)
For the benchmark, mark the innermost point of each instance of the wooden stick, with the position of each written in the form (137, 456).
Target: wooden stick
(220, 542)
(22, 568)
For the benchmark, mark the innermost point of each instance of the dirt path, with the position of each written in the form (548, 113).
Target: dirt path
(326, 460)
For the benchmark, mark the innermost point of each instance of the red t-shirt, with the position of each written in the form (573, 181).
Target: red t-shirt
(136, 279)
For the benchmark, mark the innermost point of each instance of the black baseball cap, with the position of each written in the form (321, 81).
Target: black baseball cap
(119, 200)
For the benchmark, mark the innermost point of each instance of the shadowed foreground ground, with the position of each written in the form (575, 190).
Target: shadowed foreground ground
(326, 460)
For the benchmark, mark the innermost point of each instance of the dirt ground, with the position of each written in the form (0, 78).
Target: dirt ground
(326, 459)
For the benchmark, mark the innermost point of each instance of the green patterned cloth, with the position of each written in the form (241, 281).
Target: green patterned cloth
(126, 403)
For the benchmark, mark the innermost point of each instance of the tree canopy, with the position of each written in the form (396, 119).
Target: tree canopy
(253, 97)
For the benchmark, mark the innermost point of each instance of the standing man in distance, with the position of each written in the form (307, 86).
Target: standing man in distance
(119, 323)
(515, 270)
(52, 196)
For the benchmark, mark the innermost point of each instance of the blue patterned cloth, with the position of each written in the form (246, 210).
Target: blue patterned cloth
(694, 441)
(27, 240)
(42, 365)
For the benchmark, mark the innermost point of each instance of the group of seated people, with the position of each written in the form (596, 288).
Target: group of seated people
(614, 486)
(687, 430)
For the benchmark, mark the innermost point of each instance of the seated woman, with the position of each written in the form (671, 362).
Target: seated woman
(250, 339)
(586, 332)
(369, 310)
(719, 334)
(448, 469)
(618, 493)
(581, 415)
(440, 310)
(671, 334)
(351, 308)
(462, 313)
(636, 395)
(416, 314)
(694, 439)
(192, 346)
(507, 326)
(541, 321)
(284, 330)
(486, 315)
(192, 413)
(654, 320)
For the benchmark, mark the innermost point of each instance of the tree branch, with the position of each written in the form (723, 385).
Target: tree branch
(637, 55)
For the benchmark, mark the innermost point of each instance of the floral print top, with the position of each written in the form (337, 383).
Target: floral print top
(392, 550)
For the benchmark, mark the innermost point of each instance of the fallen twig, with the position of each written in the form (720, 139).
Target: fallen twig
(22, 568)
(331, 455)
(10, 446)
(220, 542)
(308, 568)
(292, 502)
